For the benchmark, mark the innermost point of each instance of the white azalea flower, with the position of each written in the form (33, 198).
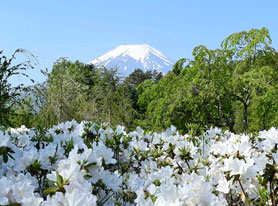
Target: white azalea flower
(4, 139)
(163, 179)
(223, 185)
(100, 151)
(236, 166)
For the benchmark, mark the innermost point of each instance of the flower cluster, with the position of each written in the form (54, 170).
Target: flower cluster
(91, 164)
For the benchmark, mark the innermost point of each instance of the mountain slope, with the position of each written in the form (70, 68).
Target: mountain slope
(126, 58)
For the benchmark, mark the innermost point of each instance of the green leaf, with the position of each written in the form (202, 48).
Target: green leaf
(91, 164)
(60, 180)
(51, 190)
(5, 158)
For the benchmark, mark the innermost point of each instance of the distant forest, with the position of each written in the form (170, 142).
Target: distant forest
(234, 87)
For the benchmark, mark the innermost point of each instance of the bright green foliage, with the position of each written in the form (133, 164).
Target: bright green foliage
(157, 100)
(247, 48)
(234, 87)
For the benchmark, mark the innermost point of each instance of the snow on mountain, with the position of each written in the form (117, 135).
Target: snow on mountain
(126, 58)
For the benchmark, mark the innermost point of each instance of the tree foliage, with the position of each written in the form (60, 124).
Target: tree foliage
(232, 87)
(9, 93)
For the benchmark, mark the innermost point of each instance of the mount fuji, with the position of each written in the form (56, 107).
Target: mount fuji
(127, 58)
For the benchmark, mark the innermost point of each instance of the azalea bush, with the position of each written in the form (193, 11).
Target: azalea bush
(90, 164)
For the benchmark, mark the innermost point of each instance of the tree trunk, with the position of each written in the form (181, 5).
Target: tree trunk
(231, 126)
(245, 107)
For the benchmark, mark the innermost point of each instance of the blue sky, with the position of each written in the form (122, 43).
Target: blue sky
(86, 29)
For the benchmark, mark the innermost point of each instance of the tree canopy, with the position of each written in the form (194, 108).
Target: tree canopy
(232, 87)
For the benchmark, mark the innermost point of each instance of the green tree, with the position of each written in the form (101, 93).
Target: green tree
(207, 99)
(232, 87)
(9, 94)
(68, 87)
(83, 92)
(112, 99)
(246, 46)
(137, 77)
(157, 100)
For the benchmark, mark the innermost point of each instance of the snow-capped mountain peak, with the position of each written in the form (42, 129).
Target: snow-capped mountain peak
(126, 58)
